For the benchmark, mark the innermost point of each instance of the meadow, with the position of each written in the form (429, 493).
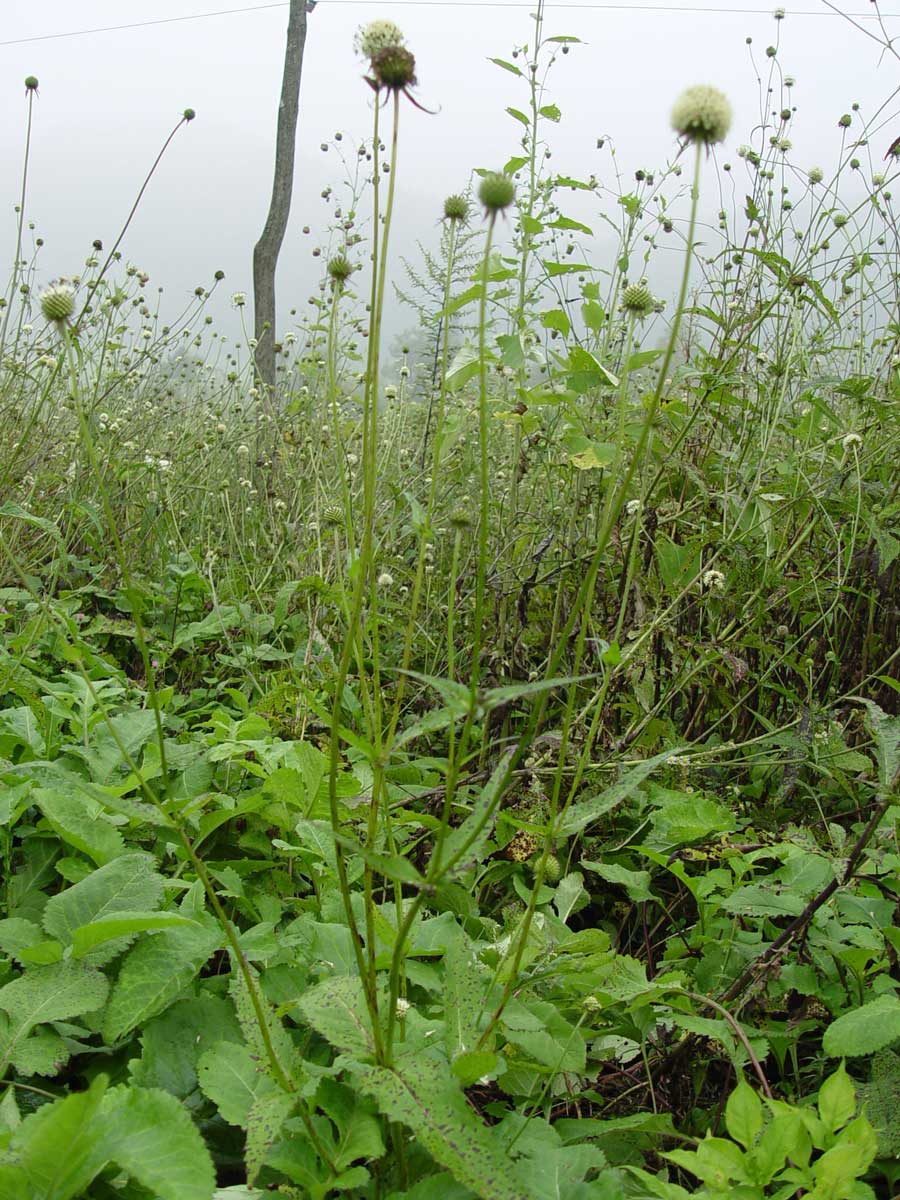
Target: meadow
(468, 768)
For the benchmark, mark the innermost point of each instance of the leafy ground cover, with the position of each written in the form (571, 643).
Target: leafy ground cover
(483, 783)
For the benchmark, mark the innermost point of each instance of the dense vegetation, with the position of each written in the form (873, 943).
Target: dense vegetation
(482, 783)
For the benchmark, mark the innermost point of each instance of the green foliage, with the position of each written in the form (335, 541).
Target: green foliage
(472, 771)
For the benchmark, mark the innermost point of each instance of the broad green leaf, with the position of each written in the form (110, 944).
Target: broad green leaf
(173, 1042)
(357, 1124)
(864, 1030)
(580, 815)
(123, 924)
(570, 895)
(54, 993)
(887, 742)
(837, 1100)
(154, 972)
(248, 1019)
(465, 842)
(149, 1134)
(74, 819)
(337, 1009)
(422, 1094)
(265, 1121)
(234, 1080)
(556, 319)
(554, 1172)
(744, 1114)
(127, 884)
(463, 997)
(760, 900)
(635, 883)
(57, 1146)
(470, 1067)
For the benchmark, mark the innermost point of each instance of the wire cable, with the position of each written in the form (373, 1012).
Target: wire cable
(520, 4)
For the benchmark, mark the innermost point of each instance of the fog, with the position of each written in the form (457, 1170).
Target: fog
(108, 100)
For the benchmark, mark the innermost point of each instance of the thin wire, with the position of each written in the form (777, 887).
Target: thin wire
(573, 7)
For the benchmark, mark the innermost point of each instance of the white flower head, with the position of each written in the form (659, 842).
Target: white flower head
(402, 1008)
(702, 114)
(378, 35)
(713, 580)
(633, 507)
(385, 579)
(851, 441)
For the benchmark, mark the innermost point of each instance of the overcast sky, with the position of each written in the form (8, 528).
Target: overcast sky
(108, 100)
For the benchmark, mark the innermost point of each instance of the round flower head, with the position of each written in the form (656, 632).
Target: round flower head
(377, 36)
(340, 269)
(638, 300)
(815, 175)
(394, 68)
(702, 114)
(58, 301)
(333, 515)
(497, 191)
(456, 208)
(31, 83)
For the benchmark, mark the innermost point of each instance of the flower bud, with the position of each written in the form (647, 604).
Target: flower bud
(497, 191)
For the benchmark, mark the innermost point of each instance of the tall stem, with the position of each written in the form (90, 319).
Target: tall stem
(20, 223)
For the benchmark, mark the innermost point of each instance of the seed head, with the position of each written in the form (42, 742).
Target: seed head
(815, 175)
(371, 39)
(456, 208)
(394, 68)
(460, 519)
(497, 191)
(189, 114)
(702, 114)
(845, 121)
(333, 515)
(638, 300)
(31, 83)
(58, 301)
(552, 869)
(340, 269)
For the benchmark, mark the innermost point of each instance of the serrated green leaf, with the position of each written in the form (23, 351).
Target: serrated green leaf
(71, 817)
(580, 815)
(43, 994)
(265, 1121)
(234, 1079)
(56, 1146)
(337, 1009)
(127, 884)
(123, 924)
(149, 1134)
(154, 972)
(423, 1094)
(864, 1030)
